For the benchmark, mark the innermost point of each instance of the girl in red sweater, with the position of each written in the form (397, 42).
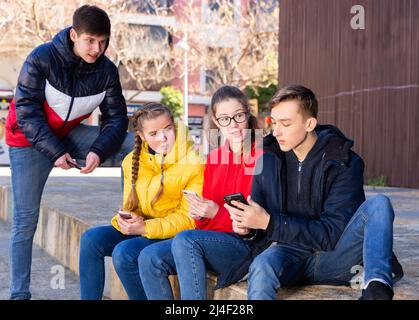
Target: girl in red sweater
(213, 246)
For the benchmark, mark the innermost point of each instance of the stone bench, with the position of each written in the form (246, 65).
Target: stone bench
(59, 232)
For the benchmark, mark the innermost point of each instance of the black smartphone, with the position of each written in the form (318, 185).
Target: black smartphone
(236, 197)
(124, 215)
(73, 165)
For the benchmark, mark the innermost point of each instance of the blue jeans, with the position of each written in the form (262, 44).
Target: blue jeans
(105, 241)
(30, 171)
(155, 264)
(367, 240)
(192, 253)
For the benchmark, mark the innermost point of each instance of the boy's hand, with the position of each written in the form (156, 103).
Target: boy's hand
(61, 162)
(238, 230)
(92, 162)
(253, 215)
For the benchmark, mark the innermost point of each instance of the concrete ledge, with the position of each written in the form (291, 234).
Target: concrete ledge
(59, 235)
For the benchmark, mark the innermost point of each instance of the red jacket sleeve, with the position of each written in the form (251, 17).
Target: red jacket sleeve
(221, 221)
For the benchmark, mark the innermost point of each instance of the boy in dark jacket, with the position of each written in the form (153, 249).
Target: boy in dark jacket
(61, 83)
(309, 210)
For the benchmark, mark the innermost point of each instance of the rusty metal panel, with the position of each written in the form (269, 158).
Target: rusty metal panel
(366, 80)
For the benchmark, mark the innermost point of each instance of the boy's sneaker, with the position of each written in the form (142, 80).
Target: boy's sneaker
(377, 290)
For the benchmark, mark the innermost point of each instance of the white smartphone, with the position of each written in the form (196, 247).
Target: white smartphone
(190, 193)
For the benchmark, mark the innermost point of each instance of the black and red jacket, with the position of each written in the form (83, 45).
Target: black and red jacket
(57, 90)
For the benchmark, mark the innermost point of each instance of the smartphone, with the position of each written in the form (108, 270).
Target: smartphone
(190, 193)
(236, 197)
(124, 215)
(73, 165)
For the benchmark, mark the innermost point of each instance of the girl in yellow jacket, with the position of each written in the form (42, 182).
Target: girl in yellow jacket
(162, 164)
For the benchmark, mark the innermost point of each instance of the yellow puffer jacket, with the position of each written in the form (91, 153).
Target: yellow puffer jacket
(183, 169)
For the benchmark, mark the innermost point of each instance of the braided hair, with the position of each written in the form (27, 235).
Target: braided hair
(148, 111)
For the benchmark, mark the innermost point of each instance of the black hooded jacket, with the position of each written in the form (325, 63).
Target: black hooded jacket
(331, 190)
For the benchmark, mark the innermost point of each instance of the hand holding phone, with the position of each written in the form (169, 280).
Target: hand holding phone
(205, 208)
(236, 197)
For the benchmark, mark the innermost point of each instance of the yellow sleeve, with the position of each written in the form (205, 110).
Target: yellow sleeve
(177, 220)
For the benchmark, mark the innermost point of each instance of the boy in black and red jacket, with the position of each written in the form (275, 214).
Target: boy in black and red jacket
(61, 83)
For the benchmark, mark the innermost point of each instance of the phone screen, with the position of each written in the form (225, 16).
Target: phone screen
(124, 215)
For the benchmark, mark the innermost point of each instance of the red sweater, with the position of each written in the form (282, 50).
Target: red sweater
(224, 176)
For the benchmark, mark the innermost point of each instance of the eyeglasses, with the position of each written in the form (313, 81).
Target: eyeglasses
(238, 118)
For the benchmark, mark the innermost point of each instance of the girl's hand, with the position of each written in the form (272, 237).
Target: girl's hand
(132, 226)
(201, 208)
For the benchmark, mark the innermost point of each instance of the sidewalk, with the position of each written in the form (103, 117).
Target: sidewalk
(71, 204)
(44, 271)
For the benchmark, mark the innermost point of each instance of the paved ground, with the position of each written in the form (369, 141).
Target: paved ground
(45, 283)
(95, 199)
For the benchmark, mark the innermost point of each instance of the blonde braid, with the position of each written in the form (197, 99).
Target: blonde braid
(132, 202)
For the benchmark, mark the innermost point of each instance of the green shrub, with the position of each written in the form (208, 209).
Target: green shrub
(173, 99)
(262, 95)
(379, 181)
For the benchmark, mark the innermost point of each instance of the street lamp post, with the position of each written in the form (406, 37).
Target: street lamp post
(183, 44)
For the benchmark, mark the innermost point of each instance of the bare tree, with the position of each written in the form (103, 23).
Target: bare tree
(234, 41)
(143, 52)
(24, 24)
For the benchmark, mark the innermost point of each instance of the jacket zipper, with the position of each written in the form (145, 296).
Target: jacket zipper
(73, 91)
(300, 169)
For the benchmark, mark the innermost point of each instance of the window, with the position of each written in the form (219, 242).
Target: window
(150, 6)
(220, 11)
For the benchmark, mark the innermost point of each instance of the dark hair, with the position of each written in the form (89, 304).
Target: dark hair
(305, 96)
(148, 111)
(230, 92)
(92, 20)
